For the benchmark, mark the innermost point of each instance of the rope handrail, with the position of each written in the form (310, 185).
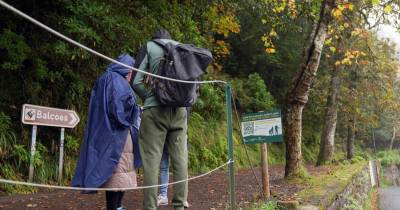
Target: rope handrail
(58, 34)
(6, 181)
(13, 9)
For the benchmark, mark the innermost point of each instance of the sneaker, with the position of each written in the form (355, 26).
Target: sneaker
(186, 204)
(121, 208)
(162, 200)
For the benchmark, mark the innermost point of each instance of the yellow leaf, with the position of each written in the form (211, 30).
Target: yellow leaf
(328, 41)
(374, 2)
(264, 38)
(355, 33)
(336, 13)
(337, 63)
(273, 33)
(350, 6)
(333, 49)
(263, 21)
(270, 50)
(388, 9)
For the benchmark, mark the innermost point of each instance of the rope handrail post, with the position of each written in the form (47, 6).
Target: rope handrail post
(228, 96)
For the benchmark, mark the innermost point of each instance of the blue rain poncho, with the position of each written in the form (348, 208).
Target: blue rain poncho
(112, 114)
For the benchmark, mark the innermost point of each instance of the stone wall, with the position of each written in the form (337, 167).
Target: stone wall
(392, 174)
(355, 193)
(357, 190)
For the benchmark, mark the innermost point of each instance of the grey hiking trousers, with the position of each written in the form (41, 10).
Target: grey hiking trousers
(159, 126)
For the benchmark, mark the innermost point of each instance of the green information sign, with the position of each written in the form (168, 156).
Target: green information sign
(262, 127)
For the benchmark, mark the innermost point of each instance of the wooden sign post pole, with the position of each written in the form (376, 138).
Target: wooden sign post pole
(264, 170)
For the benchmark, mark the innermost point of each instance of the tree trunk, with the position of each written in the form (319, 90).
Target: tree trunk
(297, 95)
(373, 140)
(292, 124)
(393, 137)
(352, 120)
(351, 136)
(327, 145)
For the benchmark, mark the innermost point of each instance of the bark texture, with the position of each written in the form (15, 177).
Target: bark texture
(351, 137)
(327, 145)
(297, 95)
(393, 137)
(352, 120)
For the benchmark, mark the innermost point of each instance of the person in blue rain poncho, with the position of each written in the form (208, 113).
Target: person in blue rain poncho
(110, 152)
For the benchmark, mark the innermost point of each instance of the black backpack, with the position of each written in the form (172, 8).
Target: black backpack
(182, 62)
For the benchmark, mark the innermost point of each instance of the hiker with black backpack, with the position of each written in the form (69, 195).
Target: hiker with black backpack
(164, 119)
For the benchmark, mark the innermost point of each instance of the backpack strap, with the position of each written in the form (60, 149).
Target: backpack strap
(149, 80)
(166, 46)
(142, 52)
(160, 43)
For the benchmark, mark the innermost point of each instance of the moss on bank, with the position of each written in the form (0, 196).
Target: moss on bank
(323, 188)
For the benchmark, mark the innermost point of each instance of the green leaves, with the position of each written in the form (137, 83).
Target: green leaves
(16, 50)
(252, 94)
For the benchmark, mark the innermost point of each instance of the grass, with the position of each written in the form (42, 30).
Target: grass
(372, 201)
(269, 205)
(326, 186)
(208, 146)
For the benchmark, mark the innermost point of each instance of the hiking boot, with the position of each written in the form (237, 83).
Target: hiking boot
(162, 200)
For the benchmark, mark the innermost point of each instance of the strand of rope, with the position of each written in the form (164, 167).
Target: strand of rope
(245, 147)
(2, 3)
(6, 181)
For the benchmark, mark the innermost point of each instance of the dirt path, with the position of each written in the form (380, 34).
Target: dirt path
(209, 192)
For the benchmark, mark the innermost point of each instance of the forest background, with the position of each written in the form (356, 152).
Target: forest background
(259, 46)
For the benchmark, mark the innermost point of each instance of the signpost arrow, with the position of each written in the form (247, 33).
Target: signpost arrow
(48, 116)
(74, 119)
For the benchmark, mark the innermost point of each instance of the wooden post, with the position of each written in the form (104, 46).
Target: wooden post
(264, 170)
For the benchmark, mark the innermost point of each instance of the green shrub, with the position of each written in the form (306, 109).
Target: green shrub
(269, 205)
(388, 157)
(71, 145)
(7, 171)
(252, 94)
(21, 156)
(211, 102)
(7, 136)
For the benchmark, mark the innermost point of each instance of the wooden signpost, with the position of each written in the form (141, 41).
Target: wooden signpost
(262, 127)
(47, 116)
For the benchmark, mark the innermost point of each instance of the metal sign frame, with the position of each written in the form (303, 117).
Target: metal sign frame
(70, 113)
(255, 121)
